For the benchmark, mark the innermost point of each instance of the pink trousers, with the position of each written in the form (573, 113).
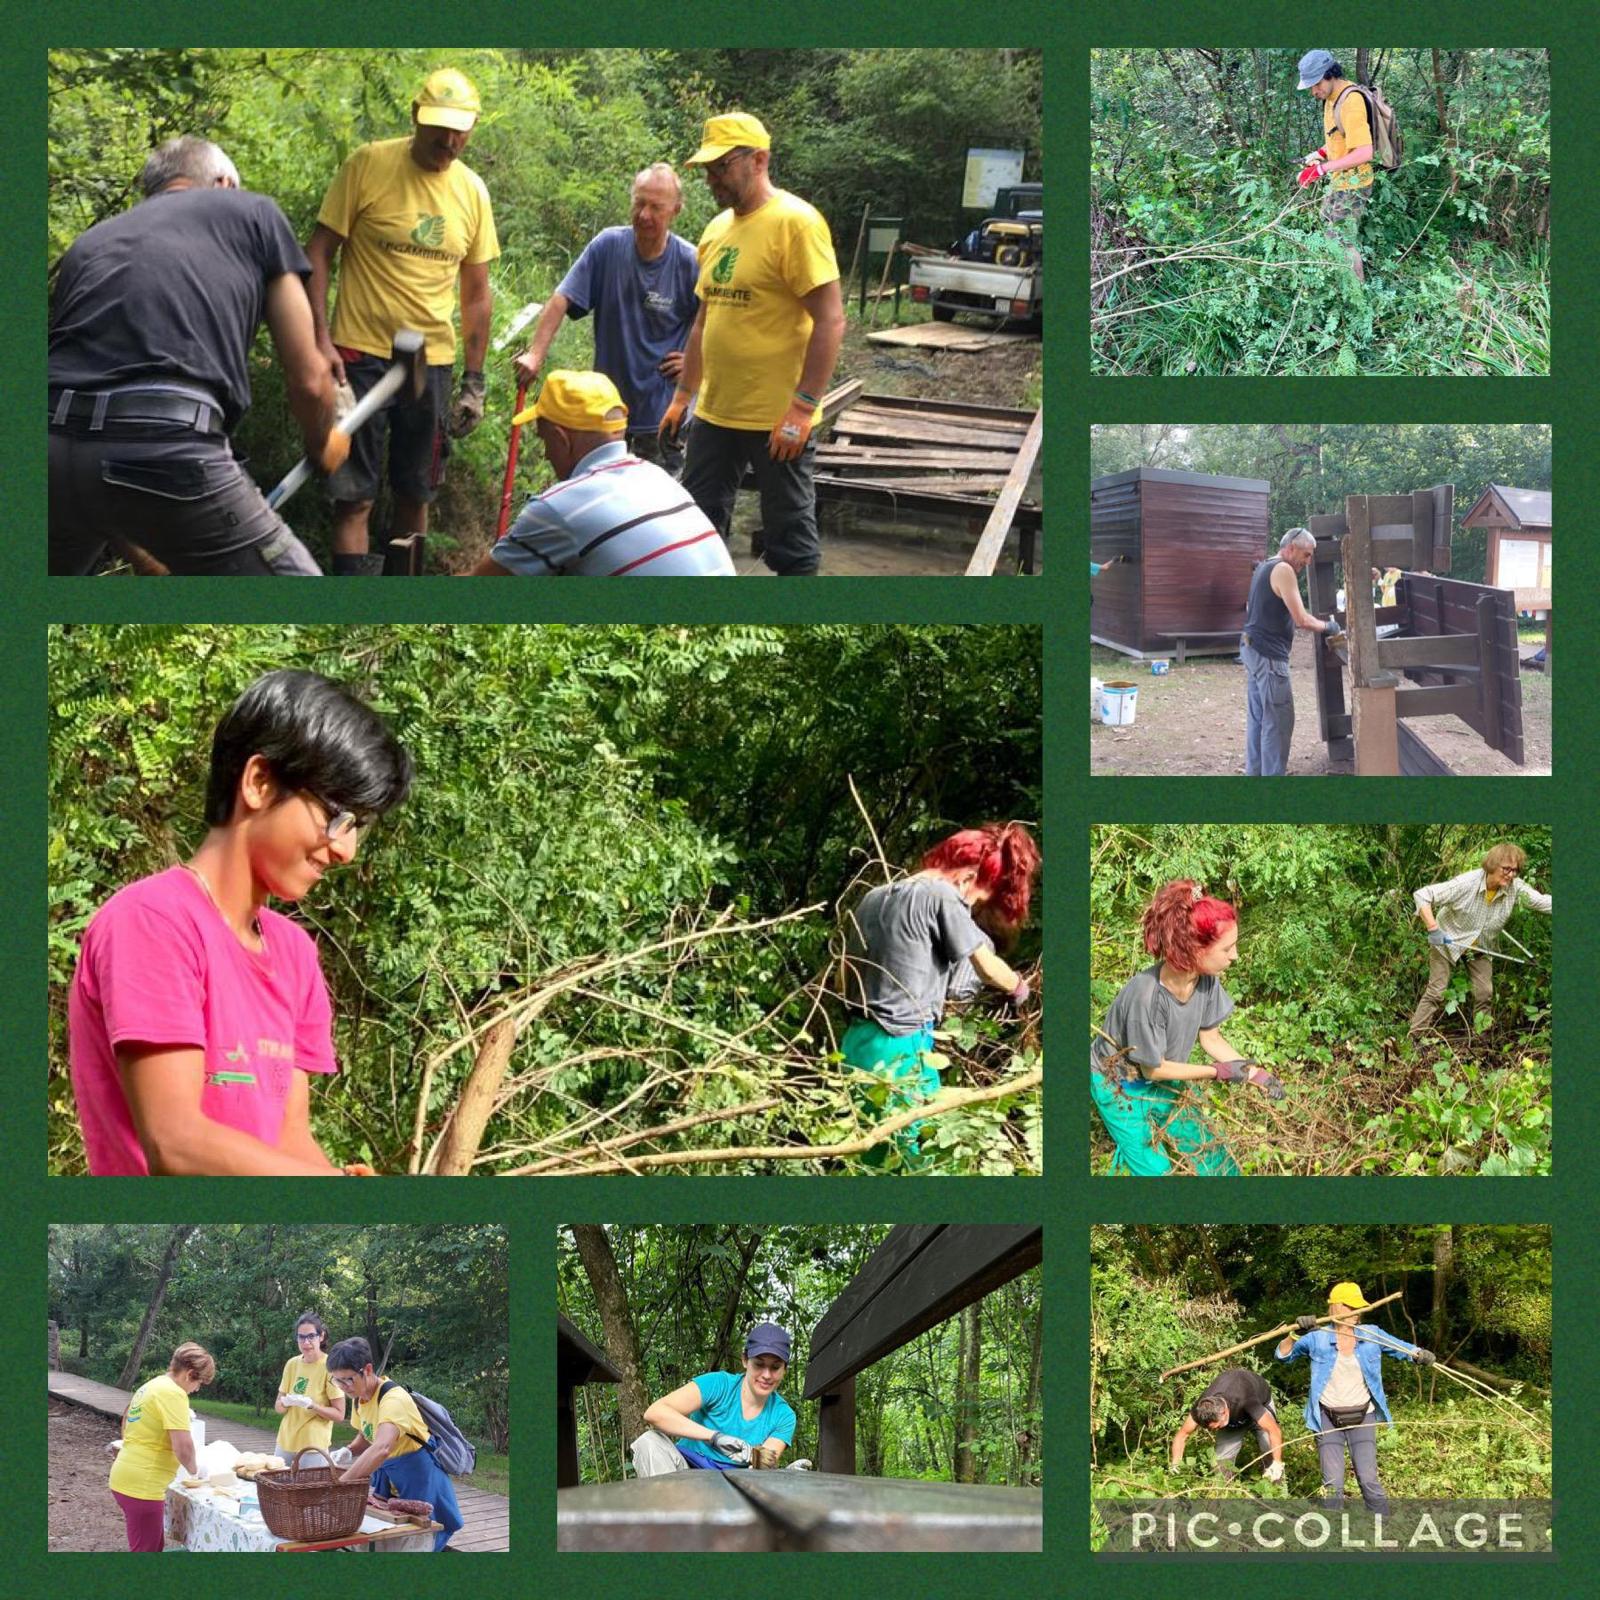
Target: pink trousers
(145, 1519)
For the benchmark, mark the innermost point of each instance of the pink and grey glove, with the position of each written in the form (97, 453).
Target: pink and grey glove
(1020, 996)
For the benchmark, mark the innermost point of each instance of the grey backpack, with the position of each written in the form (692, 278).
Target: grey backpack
(450, 1447)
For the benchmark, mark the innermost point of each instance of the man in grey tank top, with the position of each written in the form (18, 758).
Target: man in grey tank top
(1273, 612)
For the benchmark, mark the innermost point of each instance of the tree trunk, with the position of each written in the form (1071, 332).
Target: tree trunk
(373, 1337)
(722, 1356)
(1030, 1407)
(169, 1260)
(971, 1352)
(622, 1344)
(1363, 61)
(1444, 1255)
(1438, 96)
(476, 1105)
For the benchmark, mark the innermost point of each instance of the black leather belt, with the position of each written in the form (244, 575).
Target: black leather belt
(90, 411)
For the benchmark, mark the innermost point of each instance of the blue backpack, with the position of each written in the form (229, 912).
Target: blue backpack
(451, 1449)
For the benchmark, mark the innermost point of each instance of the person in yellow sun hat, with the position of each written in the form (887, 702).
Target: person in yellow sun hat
(610, 514)
(407, 221)
(1346, 1400)
(762, 348)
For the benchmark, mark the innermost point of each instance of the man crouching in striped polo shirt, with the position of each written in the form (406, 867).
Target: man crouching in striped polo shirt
(611, 515)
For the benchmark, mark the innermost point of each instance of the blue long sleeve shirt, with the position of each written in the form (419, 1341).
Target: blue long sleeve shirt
(1321, 1348)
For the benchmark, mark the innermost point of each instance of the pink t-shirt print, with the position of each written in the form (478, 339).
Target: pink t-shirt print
(159, 966)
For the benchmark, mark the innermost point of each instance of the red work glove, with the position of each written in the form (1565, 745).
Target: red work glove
(1309, 175)
(672, 417)
(788, 439)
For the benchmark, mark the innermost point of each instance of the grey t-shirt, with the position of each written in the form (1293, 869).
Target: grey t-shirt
(912, 935)
(1155, 1025)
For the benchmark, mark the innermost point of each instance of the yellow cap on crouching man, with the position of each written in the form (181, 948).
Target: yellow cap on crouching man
(448, 100)
(586, 401)
(737, 130)
(1347, 1294)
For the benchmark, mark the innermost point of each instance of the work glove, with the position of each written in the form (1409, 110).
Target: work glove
(1267, 1082)
(1314, 157)
(788, 439)
(1309, 174)
(1334, 634)
(1273, 1472)
(297, 1400)
(672, 417)
(802, 1465)
(1439, 936)
(334, 452)
(341, 1457)
(344, 402)
(1020, 996)
(733, 1447)
(1233, 1071)
(1424, 1358)
(469, 405)
(359, 1169)
(1304, 1324)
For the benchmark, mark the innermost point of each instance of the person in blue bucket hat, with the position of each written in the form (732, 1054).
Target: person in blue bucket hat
(715, 1421)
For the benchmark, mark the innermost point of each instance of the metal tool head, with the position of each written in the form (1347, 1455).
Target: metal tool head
(411, 349)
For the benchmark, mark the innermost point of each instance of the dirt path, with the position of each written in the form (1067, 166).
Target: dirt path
(1191, 723)
(81, 1513)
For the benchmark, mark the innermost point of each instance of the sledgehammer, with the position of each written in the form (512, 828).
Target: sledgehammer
(408, 371)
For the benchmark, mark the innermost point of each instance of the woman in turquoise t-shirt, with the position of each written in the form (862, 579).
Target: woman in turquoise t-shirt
(714, 1421)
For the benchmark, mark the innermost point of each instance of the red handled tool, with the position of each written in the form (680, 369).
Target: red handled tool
(509, 487)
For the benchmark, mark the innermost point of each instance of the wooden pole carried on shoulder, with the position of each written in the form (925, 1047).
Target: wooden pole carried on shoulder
(1261, 1338)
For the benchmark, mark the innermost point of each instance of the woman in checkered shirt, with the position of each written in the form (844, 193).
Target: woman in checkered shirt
(1463, 915)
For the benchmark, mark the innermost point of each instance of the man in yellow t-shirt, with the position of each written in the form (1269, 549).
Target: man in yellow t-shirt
(762, 348)
(408, 222)
(1345, 158)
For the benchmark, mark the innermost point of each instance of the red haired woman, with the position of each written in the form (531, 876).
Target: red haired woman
(1140, 1059)
(916, 939)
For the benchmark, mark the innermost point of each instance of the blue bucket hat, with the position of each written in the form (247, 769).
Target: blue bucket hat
(1315, 65)
(767, 1339)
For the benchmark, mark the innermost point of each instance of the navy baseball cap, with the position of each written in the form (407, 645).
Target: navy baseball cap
(767, 1339)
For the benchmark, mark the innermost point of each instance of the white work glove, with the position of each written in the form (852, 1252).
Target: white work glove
(344, 402)
(733, 1447)
(342, 1457)
(297, 1400)
(802, 1465)
(1274, 1472)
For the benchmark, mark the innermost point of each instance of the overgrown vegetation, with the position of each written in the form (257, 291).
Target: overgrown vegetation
(124, 1297)
(1206, 259)
(1478, 1296)
(1331, 963)
(636, 835)
(562, 133)
(961, 1402)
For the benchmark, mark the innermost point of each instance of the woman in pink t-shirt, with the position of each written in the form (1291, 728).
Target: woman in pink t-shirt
(197, 1013)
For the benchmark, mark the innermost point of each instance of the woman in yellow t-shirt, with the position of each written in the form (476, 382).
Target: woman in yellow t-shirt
(307, 1399)
(155, 1442)
(393, 1448)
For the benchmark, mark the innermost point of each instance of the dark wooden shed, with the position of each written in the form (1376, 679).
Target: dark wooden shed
(1191, 541)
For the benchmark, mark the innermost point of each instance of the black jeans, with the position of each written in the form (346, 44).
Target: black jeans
(648, 445)
(717, 459)
(178, 494)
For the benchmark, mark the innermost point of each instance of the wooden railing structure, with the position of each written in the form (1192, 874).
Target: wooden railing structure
(1457, 643)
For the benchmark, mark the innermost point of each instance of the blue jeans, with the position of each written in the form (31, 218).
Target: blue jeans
(1362, 1443)
(1268, 714)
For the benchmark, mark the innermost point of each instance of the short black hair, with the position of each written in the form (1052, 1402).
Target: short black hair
(1207, 1409)
(315, 1321)
(316, 737)
(350, 1355)
(1334, 71)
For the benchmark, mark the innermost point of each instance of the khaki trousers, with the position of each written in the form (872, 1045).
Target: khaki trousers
(1479, 970)
(654, 1455)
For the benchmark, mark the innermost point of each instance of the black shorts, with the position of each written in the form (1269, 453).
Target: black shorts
(413, 429)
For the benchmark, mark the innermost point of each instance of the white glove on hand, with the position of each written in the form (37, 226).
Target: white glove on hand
(733, 1447)
(1274, 1472)
(297, 1400)
(342, 1457)
(802, 1465)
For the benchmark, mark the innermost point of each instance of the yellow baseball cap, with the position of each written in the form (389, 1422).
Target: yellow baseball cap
(1347, 1294)
(448, 100)
(737, 130)
(587, 401)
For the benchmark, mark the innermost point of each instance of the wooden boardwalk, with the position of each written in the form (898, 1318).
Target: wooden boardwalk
(486, 1517)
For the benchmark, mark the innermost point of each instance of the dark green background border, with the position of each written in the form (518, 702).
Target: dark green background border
(1067, 1199)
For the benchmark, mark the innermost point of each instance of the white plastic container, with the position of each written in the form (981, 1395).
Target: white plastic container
(1118, 703)
(1095, 686)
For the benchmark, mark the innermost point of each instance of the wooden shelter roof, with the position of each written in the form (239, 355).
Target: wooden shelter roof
(1519, 510)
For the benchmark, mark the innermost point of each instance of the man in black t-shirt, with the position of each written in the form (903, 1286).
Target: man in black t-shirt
(1237, 1403)
(153, 317)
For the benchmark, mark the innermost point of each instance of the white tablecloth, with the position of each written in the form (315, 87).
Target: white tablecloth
(201, 1519)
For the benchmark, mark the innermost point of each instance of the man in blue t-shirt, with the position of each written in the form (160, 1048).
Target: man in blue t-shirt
(639, 283)
(713, 1422)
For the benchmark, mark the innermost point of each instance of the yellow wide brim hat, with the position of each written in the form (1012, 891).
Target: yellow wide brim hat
(1347, 1294)
(586, 401)
(737, 130)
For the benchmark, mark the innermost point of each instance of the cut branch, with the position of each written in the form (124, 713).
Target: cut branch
(1261, 1338)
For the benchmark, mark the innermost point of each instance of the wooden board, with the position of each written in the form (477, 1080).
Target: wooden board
(948, 336)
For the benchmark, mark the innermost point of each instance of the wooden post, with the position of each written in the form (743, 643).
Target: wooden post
(1323, 594)
(1373, 709)
(567, 1470)
(1444, 510)
(836, 1429)
(1488, 678)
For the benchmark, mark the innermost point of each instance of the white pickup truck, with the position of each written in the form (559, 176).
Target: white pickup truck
(997, 272)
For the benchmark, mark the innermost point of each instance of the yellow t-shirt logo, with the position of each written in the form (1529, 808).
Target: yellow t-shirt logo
(366, 1431)
(723, 271)
(300, 1386)
(429, 230)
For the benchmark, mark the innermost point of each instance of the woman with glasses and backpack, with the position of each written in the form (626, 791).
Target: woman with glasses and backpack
(396, 1449)
(198, 1014)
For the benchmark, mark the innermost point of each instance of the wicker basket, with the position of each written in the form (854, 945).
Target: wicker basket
(305, 1504)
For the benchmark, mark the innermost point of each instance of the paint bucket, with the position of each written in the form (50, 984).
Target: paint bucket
(1159, 669)
(1117, 703)
(1095, 686)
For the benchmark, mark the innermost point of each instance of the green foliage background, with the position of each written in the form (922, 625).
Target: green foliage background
(1331, 963)
(561, 135)
(579, 790)
(693, 1291)
(1197, 149)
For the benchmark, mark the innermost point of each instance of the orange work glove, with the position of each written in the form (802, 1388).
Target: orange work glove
(359, 1169)
(672, 417)
(335, 451)
(788, 439)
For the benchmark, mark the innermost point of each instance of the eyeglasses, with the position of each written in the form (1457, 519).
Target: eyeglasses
(715, 169)
(345, 1383)
(308, 1338)
(340, 819)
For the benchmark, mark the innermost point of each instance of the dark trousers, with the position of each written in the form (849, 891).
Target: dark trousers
(717, 459)
(1362, 1443)
(178, 494)
(648, 445)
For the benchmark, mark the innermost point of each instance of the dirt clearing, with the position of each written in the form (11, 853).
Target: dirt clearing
(82, 1514)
